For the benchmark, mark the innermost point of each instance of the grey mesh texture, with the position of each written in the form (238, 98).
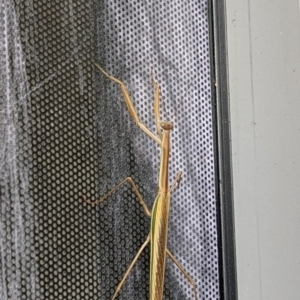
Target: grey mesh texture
(65, 132)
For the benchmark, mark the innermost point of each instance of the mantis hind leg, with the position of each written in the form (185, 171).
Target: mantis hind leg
(130, 267)
(180, 267)
(190, 280)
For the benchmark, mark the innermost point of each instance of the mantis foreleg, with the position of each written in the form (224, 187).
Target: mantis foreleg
(130, 106)
(156, 105)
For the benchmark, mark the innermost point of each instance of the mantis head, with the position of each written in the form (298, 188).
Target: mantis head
(166, 125)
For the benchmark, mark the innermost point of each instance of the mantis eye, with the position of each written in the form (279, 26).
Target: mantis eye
(166, 125)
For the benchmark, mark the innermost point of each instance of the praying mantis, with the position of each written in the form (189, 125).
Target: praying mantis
(157, 236)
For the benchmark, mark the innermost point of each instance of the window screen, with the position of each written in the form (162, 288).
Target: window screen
(65, 132)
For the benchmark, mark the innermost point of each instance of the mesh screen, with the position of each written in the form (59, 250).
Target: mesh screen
(65, 131)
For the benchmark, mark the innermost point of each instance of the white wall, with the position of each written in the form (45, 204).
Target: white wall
(264, 72)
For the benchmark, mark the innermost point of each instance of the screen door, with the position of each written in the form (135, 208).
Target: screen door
(66, 132)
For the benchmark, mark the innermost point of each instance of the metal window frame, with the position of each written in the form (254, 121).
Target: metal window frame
(222, 138)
